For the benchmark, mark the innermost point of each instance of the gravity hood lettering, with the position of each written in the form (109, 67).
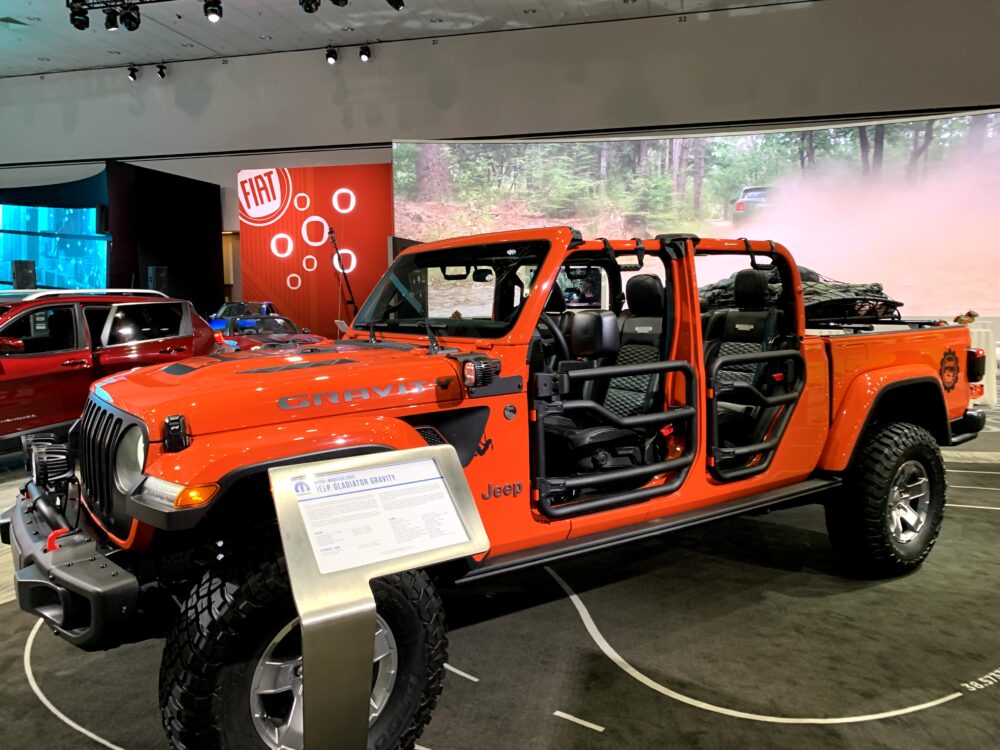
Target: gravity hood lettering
(362, 394)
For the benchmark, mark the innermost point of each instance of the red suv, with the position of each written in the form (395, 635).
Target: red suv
(55, 343)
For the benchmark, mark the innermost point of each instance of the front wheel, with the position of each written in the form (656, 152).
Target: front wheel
(886, 520)
(231, 675)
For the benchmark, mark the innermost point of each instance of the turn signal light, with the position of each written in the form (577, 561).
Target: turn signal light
(192, 497)
(480, 371)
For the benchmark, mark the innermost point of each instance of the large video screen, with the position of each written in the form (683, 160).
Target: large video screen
(64, 243)
(913, 206)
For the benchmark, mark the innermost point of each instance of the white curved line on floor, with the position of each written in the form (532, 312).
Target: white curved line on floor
(977, 507)
(47, 703)
(631, 671)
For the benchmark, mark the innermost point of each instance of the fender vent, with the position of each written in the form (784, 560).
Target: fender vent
(431, 436)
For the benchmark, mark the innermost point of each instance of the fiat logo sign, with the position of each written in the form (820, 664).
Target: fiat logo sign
(264, 195)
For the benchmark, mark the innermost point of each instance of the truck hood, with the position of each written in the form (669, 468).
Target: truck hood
(222, 392)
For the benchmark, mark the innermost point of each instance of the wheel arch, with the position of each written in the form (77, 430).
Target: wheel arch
(250, 484)
(878, 398)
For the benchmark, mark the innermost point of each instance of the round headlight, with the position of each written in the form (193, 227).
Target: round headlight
(130, 459)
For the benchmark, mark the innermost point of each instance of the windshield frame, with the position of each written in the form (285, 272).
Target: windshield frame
(538, 248)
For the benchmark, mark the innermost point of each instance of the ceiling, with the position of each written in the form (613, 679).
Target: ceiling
(36, 36)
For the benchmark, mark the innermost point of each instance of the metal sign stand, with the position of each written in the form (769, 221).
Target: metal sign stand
(331, 580)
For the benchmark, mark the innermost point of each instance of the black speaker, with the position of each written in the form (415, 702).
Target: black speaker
(23, 272)
(157, 278)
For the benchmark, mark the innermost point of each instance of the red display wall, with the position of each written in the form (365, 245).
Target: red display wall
(285, 250)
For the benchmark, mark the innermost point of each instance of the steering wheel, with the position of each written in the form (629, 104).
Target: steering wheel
(556, 335)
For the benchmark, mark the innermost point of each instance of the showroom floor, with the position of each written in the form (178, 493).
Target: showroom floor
(733, 635)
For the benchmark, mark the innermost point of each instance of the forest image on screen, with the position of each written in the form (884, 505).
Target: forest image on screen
(912, 206)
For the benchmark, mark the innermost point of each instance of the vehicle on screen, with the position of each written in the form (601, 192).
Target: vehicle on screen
(751, 203)
(591, 400)
(54, 343)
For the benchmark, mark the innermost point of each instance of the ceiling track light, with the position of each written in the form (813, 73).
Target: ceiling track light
(111, 19)
(79, 17)
(133, 73)
(213, 10)
(161, 71)
(309, 6)
(395, 4)
(365, 53)
(331, 55)
(129, 17)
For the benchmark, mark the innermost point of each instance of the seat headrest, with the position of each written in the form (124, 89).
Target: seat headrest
(644, 295)
(594, 334)
(750, 289)
(556, 303)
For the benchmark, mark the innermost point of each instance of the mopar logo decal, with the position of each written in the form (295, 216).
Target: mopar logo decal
(949, 369)
(362, 394)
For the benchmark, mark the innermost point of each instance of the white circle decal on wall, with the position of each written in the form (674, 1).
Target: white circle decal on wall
(310, 259)
(305, 231)
(298, 281)
(295, 201)
(289, 245)
(351, 260)
(345, 194)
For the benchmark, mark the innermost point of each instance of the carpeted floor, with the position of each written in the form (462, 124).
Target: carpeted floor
(747, 615)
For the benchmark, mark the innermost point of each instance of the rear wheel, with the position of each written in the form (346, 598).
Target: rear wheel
(888, 517)
(231, 675)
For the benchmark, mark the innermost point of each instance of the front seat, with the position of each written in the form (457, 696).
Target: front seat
(582, 442)
(641, 343)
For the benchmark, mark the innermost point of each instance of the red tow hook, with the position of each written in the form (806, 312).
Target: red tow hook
(50, 543)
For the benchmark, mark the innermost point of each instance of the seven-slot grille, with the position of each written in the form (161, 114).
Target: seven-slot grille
(101, 428)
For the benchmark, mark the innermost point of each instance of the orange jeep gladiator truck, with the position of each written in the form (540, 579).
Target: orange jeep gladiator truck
(587, 395)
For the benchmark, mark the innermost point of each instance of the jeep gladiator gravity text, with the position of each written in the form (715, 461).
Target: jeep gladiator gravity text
(589, 399)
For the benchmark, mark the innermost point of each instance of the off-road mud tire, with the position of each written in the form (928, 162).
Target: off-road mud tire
(857, 519)
(232, 614)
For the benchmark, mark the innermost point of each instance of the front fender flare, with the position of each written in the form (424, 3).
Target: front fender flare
(226, 458)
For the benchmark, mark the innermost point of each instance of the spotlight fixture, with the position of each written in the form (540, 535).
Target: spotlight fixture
(133, 73)
(111, 19)
(79, 17)
(213, 10)
(161, 71)
(395, 4)
(309, 6)
(129, 17)
(365, 53)
(339, 3)
(331, 55)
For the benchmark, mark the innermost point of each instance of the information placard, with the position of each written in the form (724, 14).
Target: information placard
(344, 521)
(362, 516)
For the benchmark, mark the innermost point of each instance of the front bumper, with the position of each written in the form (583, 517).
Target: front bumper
(968, 426)
(72, 583)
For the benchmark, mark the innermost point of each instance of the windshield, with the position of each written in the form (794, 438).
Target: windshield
(234, 309)
(270, 324)
(475, 291)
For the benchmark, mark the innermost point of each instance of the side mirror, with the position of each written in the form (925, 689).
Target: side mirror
(11, 346)
(306, 330)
